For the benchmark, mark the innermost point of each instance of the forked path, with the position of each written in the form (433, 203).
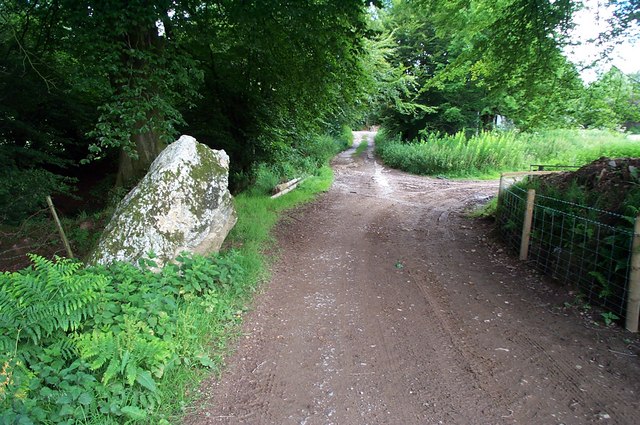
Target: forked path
(389, 306)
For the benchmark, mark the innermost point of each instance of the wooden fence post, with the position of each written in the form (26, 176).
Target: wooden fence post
(526, 225)
(500, 189)
(60, 230)
(633, 297)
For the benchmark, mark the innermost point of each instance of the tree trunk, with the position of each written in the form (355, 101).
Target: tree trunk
(148, 146)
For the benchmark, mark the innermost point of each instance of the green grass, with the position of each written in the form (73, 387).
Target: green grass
(488, 154)
(485, 211)
(121, 344)
(252, 237)
(361, 148)
(257, 214)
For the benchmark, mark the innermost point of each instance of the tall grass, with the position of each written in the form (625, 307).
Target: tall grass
(578, 147)
(489, 153)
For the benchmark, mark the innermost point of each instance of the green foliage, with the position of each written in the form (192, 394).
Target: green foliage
(454, 155)
(392, 85)
(489, 153)
(300, 161)
(317, 151)
(345, 139)
(279, 74)
(266, 179)
(77, 342)
(578, 147)
(609, 318)
(122, 344)
(575, 237)
(46, 300)
(43, 118)
(260, 80)
(362, 146)
(611, 101)
(499, 41)
(23, 191)
(469, 61)
(147, 75)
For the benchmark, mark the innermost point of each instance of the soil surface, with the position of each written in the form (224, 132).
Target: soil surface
(390, 306)
(607, 182)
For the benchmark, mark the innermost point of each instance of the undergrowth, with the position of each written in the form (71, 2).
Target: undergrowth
(487, 154)
(122, 344)
(574, 236)
(80, 345)
(301, 161)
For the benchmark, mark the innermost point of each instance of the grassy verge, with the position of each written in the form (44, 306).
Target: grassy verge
(257, 214)
(361, 148)
(252, 238)
(120, 344)
(488, 154)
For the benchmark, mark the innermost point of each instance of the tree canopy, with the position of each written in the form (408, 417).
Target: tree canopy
(112, 81)
(475, 59)
(116, 80)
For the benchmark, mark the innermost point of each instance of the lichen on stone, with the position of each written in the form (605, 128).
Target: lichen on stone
(182, 204)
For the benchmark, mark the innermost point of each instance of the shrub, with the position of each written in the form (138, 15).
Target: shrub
(77, 343)
(306, 159)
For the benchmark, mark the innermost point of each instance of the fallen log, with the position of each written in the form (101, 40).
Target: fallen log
(284, 186)
(287, 187)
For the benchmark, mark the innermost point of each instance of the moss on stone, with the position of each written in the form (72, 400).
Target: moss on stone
(145, 204)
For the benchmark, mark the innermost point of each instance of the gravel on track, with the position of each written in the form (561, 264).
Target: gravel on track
(389, 306)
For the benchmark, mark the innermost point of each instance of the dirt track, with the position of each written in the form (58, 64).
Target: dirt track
(390, 307)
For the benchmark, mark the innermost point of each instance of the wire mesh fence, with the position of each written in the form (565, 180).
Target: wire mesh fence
(573, 243)
(547, 167)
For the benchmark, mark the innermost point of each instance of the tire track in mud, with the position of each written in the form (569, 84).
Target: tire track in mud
(387, 308)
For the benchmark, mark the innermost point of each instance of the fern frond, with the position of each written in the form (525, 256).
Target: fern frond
(49, 297)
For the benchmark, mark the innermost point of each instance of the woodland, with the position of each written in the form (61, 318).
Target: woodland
(92, 91)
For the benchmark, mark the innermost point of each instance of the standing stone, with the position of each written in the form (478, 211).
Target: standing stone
(182, 204)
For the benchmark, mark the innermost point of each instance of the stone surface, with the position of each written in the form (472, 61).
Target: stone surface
(182, 204)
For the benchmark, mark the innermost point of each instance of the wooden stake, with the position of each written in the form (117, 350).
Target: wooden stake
(500, 189)
(633, 297)
(60, 229)
(526, 226)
